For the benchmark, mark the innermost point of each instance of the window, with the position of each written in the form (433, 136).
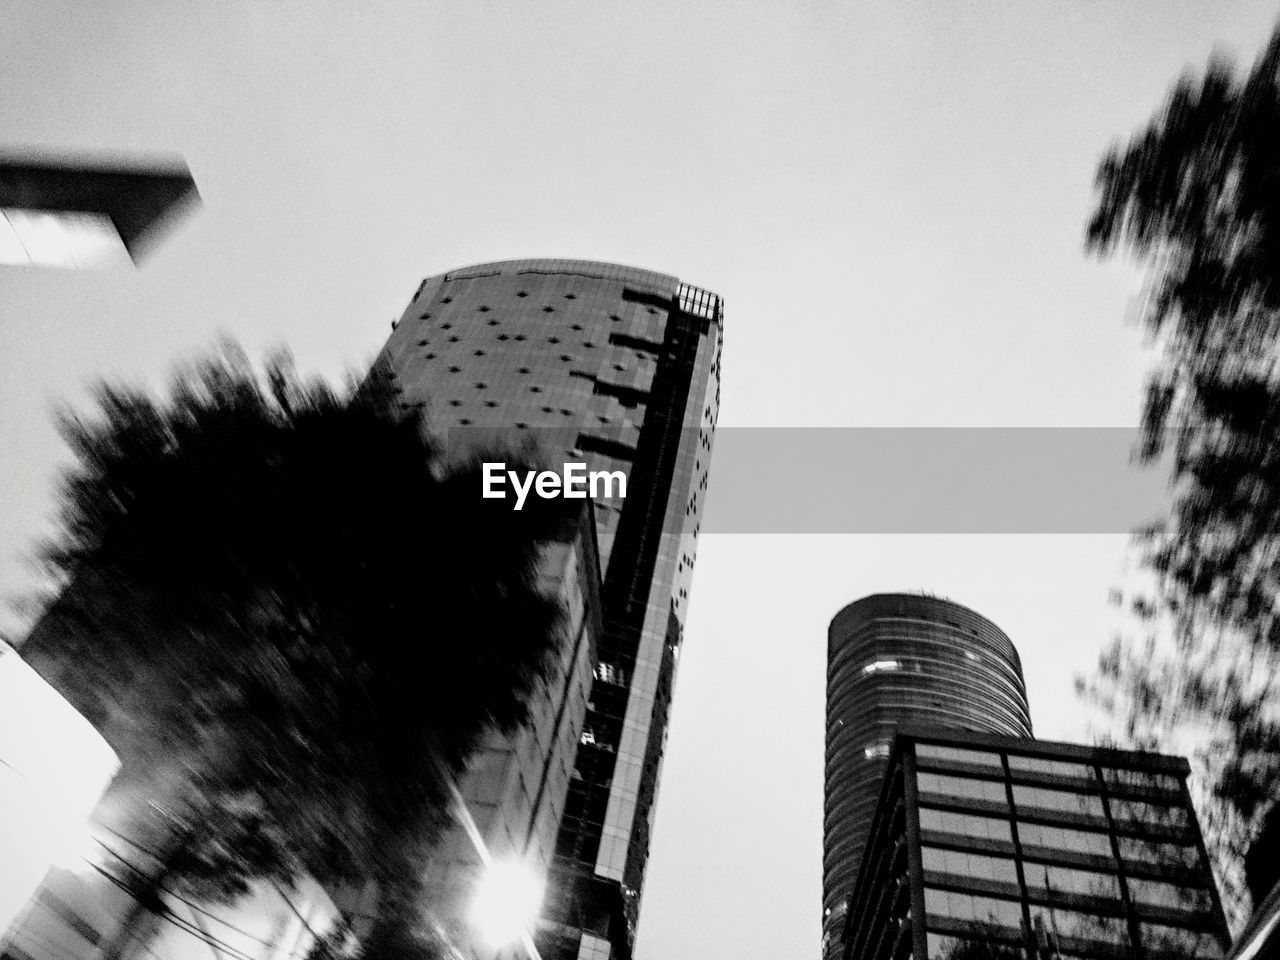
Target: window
(423, 343)
(1060, 768)
(1057, 879)
(1140, 850)
(1043, 798)
(931, 751)
(880, 666)
(965, 824)
(1058, 923)
(876, 751)
(611, 674)
(1147, 814)
(991, 946)
(548, 309)
(949, 786)
(1154, 893)
(1175, 940)
(1064, 838)
(972, 908)
(483, 308)
(964, 864)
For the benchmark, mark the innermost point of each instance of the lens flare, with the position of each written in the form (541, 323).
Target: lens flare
(506, 902)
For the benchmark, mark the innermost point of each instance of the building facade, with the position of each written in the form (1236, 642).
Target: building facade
(895, 660)
(998, 847)
(617, 368)
(513, 794)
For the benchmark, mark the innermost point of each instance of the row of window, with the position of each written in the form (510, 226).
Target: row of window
(1124, 778)
(993, 912)
(1141, 850)
(1045, 798)
(1055, 878)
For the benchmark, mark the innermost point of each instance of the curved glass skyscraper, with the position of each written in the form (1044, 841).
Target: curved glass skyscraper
(901, 659)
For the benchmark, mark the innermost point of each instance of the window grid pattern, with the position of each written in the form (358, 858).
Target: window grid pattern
(1064, 864)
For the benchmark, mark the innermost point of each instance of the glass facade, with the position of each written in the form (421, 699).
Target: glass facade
(906, 659)
(617, 368)
(999, 847)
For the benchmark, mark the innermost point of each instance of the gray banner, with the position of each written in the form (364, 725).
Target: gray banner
(900, 480)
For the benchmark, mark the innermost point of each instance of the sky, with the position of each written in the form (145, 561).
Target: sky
(890, 197)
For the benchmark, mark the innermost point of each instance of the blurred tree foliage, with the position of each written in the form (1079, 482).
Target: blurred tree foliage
(279, 592)
(1196, 197)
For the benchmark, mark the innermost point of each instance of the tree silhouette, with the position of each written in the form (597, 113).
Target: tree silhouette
(1196, 195)
(291, 620)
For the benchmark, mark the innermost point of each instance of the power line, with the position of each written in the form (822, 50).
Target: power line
(166, 913)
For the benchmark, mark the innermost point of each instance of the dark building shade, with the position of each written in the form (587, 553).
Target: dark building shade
(895, 660)
(135, 197)
(999, 847)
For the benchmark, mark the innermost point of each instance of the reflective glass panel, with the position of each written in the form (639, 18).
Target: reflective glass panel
(1058, 923)
(1044, 798)
(1155, 893)
(1148, 814)
(973, 947)
(1069, 880)
(1141, 780)
(966, 787)
(972, 908)
(1175, 940)
(1065, 838)
(929, 751)
(965, 824)
(969, 864)
(1142, 850)
(1061, 768)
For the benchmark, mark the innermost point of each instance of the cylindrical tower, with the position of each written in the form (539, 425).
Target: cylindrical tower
(896, 659)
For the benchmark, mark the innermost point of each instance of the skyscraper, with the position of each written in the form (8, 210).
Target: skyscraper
(894, 660)
(1002, 848)
(618, 368)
